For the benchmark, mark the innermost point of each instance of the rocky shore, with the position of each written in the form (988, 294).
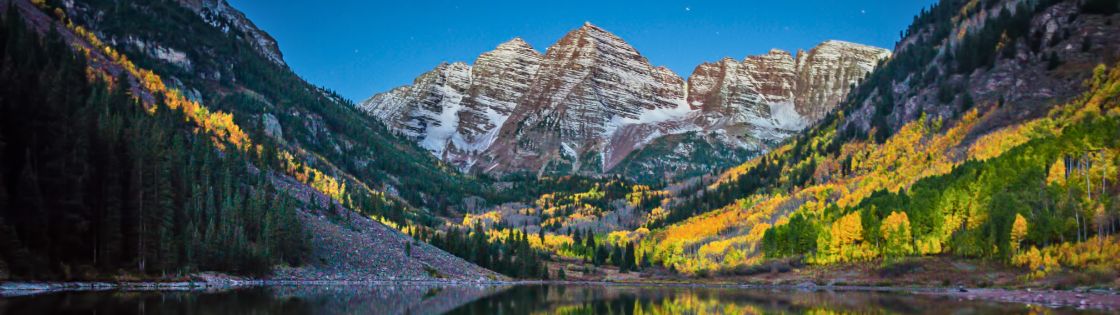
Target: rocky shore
(1090, 299)
(211, 282)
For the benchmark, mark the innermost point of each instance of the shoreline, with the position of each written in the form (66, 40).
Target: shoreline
(1079, 299)
(26, 288)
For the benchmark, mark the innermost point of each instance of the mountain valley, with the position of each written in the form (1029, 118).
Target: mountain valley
(168, 140)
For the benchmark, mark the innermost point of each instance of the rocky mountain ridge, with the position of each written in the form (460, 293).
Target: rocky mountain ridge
(221, 15)
(592, 99)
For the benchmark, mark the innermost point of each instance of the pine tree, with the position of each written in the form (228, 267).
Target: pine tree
(629, 262)
(1052, 61)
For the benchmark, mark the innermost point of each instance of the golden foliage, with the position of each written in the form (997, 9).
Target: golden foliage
(316, 179)
(1018, 232)
(552, 243)
(219, 124)
(996, 143)
(1100, 253)
(896, 231)
(920, 149)
(621, 238)
(916, 151)
(1057, 174)
(847, 230)
(657, 214)
(843, 241)
(485, 219)
(897, 223)
(1037, 262)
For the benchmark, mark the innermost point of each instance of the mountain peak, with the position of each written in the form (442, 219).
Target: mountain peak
(596, 38)
(591, 28)
(832, 43)
(839, 43)
(515, 44)
(776, 51)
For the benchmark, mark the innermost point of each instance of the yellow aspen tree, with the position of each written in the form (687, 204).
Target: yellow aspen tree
(1018, 232)
(847, 230)
(896, 232)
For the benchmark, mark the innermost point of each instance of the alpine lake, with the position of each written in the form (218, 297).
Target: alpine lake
(419, 298)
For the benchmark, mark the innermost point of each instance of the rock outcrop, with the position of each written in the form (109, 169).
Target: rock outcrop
(221, 15)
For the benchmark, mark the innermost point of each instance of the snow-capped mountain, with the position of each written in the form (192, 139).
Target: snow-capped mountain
(455, 110)
(591, 100)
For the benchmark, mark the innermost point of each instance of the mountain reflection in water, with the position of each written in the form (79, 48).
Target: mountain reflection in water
(521, 299)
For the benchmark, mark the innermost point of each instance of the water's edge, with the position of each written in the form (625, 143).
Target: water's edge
(1081, 299)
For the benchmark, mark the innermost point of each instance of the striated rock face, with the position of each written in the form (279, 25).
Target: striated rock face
(501, 78)
(592, 100)
(773, 95)
(827, 72)
(754, 97)
(590, 83)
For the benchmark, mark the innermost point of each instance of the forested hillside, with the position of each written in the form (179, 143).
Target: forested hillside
(95, 182)
(991, 133)
(126, 172)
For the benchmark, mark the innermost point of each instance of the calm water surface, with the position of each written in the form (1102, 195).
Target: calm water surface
(526, 299)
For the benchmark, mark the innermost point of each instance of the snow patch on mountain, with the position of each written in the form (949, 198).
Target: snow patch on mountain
(447, 122)
(786, 117)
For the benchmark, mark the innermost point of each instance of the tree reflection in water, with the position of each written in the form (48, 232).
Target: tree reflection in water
(526, 299)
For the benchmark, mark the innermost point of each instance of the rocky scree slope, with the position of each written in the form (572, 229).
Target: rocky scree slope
(346, 246)
(591, 100)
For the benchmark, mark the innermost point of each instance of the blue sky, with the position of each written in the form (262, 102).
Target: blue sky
(360, 47)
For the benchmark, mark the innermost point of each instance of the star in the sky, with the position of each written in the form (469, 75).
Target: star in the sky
(862, 11)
